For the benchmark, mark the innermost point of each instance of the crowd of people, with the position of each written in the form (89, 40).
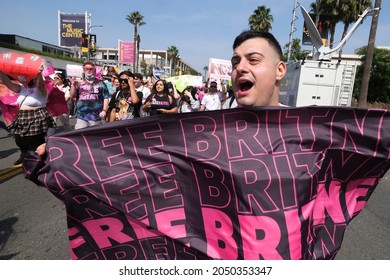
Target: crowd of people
(127, 95)
(94, 100)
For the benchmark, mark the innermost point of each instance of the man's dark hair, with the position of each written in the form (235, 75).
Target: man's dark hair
(139, 76)
(250, 34)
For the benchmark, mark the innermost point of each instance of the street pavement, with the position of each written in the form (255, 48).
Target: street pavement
(33, 221)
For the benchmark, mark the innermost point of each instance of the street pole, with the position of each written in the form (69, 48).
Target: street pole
(290, 41)
(89, 38)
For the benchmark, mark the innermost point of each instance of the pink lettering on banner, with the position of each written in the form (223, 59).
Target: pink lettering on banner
(356, 129)
(252, 186)
(286, 182)
(112, 150)
(149, 146)
(308, 165)
(305, 126)
(73, 157)
(75, 242)
(209, 179)
(356, 190)
(195, 142)
(130, 192)
(241, 136)
(328, 201)
(105, 231)
(121, 252)
(260, 237)
(294, 228)
(219, 234)
(84, 204)
(172, 223)
(142, 228)
(163, 188)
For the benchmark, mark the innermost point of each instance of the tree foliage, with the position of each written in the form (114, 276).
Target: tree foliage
(261, 19)
(345, 11)
(296, 50)
(379, 84)
(173, 55)
(137, 20)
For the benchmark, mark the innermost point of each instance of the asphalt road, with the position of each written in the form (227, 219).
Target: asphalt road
(33, 221)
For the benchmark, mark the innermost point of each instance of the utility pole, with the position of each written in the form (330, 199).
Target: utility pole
(290, 42)
(369, 56)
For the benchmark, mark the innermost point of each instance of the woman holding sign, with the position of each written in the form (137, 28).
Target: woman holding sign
(33, 120)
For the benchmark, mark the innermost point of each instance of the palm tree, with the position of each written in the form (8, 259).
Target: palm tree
(331, 9)
(173, 56)
(350, 13)
(346, 11)
(261, 19)
(137, 20)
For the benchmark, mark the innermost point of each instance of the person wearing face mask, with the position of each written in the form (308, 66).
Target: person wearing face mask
(92, 98)
(33, 120)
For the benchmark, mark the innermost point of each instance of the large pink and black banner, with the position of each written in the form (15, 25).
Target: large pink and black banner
(271, 183)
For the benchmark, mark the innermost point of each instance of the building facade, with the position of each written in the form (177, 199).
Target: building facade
(106, 56)
(147, 59)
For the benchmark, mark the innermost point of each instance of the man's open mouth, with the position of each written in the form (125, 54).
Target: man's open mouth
(245, 85)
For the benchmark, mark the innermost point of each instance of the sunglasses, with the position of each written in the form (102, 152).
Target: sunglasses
(89, 68)
(213, 86)
(124, 81)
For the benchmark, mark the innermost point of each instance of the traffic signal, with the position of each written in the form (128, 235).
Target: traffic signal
(84, 43)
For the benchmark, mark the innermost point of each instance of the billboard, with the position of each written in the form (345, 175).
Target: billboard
(71, 28)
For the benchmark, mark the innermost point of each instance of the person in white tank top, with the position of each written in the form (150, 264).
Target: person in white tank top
(33, 120)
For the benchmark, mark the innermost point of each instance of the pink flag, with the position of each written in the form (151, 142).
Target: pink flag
(8, 104)
(56, 103)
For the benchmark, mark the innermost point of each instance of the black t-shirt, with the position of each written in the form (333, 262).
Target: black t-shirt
(124, 107)
(160, 102)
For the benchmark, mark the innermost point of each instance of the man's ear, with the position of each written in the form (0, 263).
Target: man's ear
(281, 69)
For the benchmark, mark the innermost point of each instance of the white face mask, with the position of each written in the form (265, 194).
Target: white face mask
(89, 77)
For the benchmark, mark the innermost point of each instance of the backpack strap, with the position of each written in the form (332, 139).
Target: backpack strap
(232, 100)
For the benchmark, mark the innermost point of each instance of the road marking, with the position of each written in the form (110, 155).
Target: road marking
(10, 172)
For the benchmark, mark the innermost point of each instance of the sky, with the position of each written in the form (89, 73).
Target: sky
(200, 29)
